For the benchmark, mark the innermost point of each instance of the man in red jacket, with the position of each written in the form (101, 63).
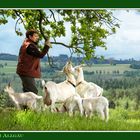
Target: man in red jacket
(28, 67)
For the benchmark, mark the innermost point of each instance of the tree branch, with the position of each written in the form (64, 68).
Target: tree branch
(53, 15)
(40, 25)
(16, 24)
(60, 43)
(18, 14)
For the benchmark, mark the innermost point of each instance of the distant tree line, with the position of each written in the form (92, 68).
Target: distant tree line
(62, 58)
(135, 65)
(5, 56)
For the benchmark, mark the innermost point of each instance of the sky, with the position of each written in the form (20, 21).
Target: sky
(125, 44)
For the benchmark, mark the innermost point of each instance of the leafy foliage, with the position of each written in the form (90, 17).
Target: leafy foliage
(88, 28)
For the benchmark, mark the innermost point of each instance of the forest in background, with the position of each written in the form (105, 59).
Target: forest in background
(119, 78)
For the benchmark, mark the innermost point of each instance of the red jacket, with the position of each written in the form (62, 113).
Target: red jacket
(29, 63)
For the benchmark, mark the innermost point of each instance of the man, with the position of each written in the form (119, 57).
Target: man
(28, 67)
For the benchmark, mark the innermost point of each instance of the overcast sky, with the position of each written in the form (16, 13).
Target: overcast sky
(124, 44)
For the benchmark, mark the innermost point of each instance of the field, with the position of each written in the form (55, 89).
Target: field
(108, 68)
(10, 67)
(120, 120)
(126, 115)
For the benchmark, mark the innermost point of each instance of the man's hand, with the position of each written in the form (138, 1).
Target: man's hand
(48, 43)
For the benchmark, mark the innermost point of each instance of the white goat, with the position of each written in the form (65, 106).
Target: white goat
(29, 99)
(86, 106)
(96, 104)
(84, 88)
(60, 92)
(72, 104)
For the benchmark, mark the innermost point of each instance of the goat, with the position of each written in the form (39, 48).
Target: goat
(59, 92)
(86, 106)
(29, 99)
(84, 88)
(98, 104)
(72, 104)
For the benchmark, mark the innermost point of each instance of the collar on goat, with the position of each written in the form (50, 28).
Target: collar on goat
(78, 84)
(74, 85)
(71, 83)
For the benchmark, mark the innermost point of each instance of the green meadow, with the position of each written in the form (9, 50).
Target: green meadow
(123, 91)
(120, 120)
(10, 67)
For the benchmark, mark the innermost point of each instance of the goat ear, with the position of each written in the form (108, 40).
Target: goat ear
(61, 71)
(69, 61)
(43, 82)
(9, 84)
(78, 66)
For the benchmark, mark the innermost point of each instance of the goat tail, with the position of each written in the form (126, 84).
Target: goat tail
(39, 97)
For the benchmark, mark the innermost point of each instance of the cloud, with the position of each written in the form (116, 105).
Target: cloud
(126, 42)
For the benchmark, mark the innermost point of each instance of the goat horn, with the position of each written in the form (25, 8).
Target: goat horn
(9, 84)
(69, 61)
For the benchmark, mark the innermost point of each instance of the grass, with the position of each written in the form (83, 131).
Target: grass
(9, 67)
(9, 63)
(19, 120)
(46, 121)
(8, 70)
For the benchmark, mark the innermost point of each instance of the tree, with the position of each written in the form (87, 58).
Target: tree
(88, 28)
